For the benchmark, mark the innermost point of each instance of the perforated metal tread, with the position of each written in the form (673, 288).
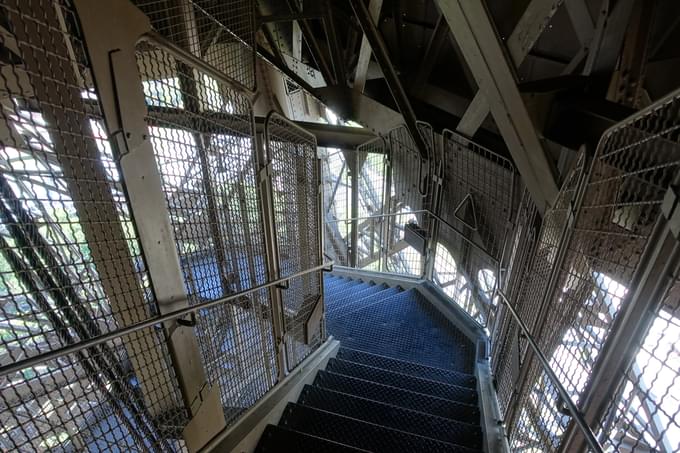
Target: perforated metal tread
(433, 388)
(360, 434)
(351, 297)
(344, 293)
(406, 420)
(355, 305)
(409, 368)
(398, 397)
(406, 327)
(280, 439)
(334, 291)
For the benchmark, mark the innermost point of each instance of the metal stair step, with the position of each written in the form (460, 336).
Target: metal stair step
(433, 388)
(280, 439)
(358, 434)
(365, 301)
(352, 297)
(337, 291)
(409, 368)
(402, 419)
(398, 397)
(405, 327)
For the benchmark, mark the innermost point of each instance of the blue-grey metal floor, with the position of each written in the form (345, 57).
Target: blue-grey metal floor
(402, 380)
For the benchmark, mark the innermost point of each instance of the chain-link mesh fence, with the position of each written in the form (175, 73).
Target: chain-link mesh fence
(71, 265)
(202, 132)
(296, 184)
(220, 32)
(591, 245)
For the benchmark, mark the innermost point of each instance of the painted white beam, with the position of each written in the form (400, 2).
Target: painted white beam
(361, 71)
(472, 28)
(474, 115)
(531, 25)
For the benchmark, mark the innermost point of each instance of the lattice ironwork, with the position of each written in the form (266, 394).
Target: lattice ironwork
(222, 33)
(296, 186)
(337, 187)
(644, 413)
(71, 267)
(409, 194)
(202, 135)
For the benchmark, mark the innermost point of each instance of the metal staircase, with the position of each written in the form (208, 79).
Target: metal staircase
(401, 381)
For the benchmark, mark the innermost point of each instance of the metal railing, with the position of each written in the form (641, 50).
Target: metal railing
(155, 321)
(564, 394)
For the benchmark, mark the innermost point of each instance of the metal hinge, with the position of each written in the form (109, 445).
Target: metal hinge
(265, 172)
(669, 208)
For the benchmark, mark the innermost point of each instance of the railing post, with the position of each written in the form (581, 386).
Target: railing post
(272, 254)
(114, 66)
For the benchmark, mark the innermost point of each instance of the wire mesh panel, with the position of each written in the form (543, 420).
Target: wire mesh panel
(296, 189)
(477, 202)
(539, 417)
(221, 32)
(644, 413)
(371, 160)
(71, 267)
(409, 191)
(201, 131)
(478, 191)
(635, 164)
(505, 357)
(337, 193)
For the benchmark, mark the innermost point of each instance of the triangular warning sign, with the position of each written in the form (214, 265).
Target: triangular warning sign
(466, 212)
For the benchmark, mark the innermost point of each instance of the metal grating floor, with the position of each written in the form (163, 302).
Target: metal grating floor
(401, 382)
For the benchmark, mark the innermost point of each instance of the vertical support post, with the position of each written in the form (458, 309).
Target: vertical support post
(387, 198)
(272, 254)
(353, 157)
(114, 67)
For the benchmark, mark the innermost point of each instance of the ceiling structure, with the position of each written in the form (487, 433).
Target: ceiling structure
(531, 79)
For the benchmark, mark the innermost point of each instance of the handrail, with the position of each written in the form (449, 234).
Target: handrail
(421, 211)
(90, 342)
(571, 406)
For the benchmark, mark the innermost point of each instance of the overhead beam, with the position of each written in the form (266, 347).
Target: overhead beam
(394, 84)
(361, 71)
(429, 59)
(531, 25)
(330, 135)
(608, 36)
(472, 28)
(336, 53)
(581, 21)
(313, 44)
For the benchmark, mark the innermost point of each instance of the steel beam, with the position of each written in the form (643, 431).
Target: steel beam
(382, 56)
(608, 36)
(581, 21)
(361, 71)
(474, 32)
(429, 59)
(530, 26)
(314, 48)
(329, 135)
